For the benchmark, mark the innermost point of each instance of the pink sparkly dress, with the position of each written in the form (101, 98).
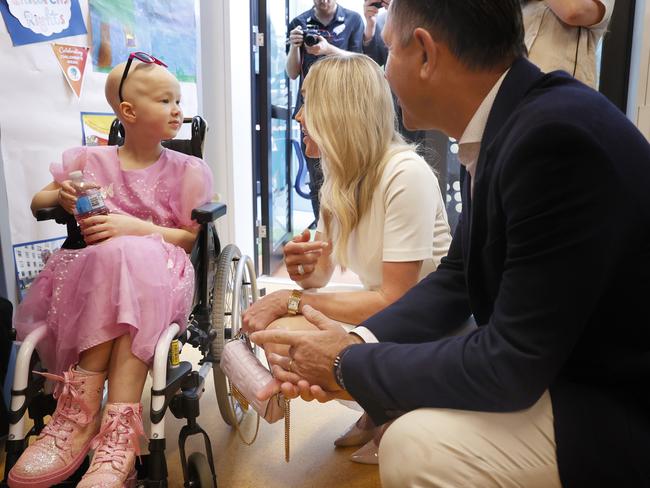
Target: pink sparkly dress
(126, 285)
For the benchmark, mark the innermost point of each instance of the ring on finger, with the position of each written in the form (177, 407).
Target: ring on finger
(301, 269)
(291, 365)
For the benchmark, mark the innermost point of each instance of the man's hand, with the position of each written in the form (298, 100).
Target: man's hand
(101, 227)
(311, 353)
(264, 311)
(370, 12)
(301, 388)
(322, 48)
(67, 196)
(296, 37)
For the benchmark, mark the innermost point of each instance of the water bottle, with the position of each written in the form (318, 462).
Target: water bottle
(90, 201)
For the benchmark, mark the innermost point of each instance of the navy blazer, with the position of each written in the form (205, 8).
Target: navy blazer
(552, 257)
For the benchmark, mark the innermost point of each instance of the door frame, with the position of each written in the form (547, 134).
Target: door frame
(264, 112)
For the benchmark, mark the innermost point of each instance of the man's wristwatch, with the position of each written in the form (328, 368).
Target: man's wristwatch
(336, 367)
(294, 302)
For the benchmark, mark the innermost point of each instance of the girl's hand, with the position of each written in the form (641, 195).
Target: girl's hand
(264, 311)
(301, 256)
(67, 196)
(101, 227)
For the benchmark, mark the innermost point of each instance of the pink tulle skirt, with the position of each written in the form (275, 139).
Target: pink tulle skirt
(126, 285)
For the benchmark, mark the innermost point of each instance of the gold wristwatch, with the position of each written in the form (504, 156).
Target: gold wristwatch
(294, 302)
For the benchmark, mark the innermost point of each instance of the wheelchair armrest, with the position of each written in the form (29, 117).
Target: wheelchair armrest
(58, 214)
(209, 212)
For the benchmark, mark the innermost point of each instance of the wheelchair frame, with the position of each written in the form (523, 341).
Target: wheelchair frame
(225, 285)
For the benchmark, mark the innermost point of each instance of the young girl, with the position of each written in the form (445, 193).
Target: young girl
(106, 305)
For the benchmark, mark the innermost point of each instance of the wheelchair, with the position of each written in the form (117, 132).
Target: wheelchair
(225, 285)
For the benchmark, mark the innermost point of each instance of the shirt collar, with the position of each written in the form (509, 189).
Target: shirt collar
(339, 17)
(474, 131)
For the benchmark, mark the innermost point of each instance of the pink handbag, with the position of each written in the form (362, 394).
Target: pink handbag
(247, 377)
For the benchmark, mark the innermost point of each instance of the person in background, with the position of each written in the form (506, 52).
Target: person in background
(551, 257)
(324, 30)
(382, 214)
(565, 34)
(373, 46)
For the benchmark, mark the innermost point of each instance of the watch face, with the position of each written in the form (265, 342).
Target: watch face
(293, 304)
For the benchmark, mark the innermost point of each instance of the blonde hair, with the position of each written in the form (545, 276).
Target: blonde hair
(350, 115)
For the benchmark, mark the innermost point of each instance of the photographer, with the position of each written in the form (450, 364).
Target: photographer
(324, 30)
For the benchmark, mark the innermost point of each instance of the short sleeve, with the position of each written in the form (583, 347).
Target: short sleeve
(355, 43)
(72, 160)
(609, 8)
(411, 201)
(195, 189)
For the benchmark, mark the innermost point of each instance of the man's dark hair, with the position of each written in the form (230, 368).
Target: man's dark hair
(481, 33)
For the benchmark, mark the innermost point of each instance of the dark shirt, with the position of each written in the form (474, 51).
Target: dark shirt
(376, 49)
(345, 32)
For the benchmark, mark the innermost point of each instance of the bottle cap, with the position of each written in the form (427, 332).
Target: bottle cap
(76, 175)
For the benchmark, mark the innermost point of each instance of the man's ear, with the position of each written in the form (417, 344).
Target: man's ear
(429, 52)
(127, 112)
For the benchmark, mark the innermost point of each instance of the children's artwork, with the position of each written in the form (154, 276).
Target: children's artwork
(30, 21)
(163, 28)
(95, 127)
(72, 60)
(30, 258)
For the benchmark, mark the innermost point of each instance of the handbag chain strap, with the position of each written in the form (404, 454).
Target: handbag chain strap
(236, 393)
(233, 392)
(287, 427)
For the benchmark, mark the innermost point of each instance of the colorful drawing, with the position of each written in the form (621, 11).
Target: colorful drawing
(30, 22)
(163, 28)
(95, 127)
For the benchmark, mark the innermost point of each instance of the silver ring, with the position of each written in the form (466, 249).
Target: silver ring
(290, 365)
(301, 270)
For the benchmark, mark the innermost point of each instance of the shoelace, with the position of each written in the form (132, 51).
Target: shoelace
(69, 406)
(121, 432)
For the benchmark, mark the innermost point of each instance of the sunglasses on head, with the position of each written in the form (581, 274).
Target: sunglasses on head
(140, 56)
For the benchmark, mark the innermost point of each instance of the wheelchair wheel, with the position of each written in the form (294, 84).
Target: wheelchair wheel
(199, 472)
(235, 288)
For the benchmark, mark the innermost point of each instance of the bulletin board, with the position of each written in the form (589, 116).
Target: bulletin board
(41, 115)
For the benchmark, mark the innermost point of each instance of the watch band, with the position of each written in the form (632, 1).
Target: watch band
(336, 366)
(294, 302)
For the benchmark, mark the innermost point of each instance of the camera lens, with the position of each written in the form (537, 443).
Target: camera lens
(311, 40)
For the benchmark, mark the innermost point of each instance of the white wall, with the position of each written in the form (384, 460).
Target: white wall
(639, 91)
(225, 99)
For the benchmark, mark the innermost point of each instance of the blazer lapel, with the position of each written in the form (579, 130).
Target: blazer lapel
(521, 77)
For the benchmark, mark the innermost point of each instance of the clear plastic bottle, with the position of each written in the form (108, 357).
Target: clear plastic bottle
(90, 201)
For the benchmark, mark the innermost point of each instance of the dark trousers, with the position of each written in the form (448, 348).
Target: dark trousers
(315, 181)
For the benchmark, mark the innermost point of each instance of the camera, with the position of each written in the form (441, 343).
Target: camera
(311, 34)
(377, 4)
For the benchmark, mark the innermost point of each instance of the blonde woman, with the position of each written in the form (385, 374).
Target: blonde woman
(382, 212)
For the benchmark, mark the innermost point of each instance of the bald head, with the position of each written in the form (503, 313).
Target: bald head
(139, 81)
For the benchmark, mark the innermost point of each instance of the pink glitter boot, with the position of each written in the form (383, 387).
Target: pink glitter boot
(116, 446)
(64, 442)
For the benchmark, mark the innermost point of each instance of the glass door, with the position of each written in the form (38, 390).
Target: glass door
(273, 123)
